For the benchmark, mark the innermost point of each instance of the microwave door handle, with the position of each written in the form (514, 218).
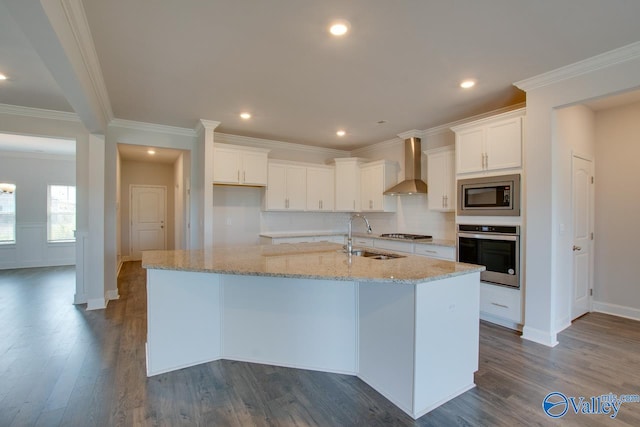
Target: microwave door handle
(508, 237)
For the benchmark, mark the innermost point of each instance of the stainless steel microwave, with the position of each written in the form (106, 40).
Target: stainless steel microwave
(493, 195)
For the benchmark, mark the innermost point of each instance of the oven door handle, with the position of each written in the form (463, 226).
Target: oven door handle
(508, 237)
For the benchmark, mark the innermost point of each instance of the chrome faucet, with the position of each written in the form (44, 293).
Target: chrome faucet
(349, 239)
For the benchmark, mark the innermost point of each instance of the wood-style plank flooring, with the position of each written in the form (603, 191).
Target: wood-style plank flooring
(61, 365)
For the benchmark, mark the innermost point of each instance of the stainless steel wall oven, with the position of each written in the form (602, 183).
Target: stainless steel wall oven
(497, 247)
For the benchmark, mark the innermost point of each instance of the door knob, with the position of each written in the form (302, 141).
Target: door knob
(576, 248)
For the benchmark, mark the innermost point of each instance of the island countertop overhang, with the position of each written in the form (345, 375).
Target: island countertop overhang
(323, 261)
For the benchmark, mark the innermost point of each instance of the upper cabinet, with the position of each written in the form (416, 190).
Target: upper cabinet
(347, 184)
(320, 188)
(239, 165)
(287, 189)
(490, 144)
(375, 178)
(441, 178)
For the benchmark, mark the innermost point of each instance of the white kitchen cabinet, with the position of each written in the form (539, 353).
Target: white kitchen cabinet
(286, 187)
(363, 242)
(490, 144)
(375, 178)
(347, 184)
(441, 179)
(238, 165)
(501, 305)
(435, 251)
(320, 188)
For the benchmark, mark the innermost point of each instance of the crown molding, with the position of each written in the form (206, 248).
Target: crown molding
(39, 113)
(77, 19)
(359, 152)
(414, 133)
(204, 124)
(152, 127)
(473, 121)
(607, 59)
(276, 145)
(37, 155)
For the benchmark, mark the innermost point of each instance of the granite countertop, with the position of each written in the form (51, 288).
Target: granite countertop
(306, 261)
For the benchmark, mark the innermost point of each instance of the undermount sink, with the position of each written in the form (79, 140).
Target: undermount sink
(374, 255)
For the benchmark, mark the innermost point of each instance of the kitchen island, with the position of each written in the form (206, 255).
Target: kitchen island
(407, 326)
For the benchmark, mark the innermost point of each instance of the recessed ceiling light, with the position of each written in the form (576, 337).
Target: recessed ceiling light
(341, 133)
(151, 152)
(3, 77)
(467, 84)
(245, 116)
(339, 27)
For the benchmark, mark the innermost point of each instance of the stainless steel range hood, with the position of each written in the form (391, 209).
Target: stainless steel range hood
(412, 183)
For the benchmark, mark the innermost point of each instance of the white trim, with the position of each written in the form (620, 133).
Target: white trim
(38, 113)
(447, 126)
(34, 155)
(607, 59)
(491, 118)
(77, 19)
(539, 336)
(204, 124)
(152, 127)
(112, 294)
(359, 152)
(413, 133)
(616, 310)
(97, 304)
(500, 321)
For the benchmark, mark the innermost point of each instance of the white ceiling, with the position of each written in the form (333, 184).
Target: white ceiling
(172, 63)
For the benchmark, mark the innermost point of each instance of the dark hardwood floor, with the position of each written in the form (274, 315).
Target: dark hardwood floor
(63, 366)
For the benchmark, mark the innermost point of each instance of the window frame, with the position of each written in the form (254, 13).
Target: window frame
(15, 218)
(49, 213)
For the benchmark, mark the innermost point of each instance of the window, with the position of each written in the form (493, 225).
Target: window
(7, 214)
(61, 213)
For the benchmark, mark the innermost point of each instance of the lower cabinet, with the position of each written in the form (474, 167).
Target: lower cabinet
(435, 251)
(333, 238)
(501, 305)
(394, 245)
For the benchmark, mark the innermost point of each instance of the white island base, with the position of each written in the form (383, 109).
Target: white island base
(416, 344)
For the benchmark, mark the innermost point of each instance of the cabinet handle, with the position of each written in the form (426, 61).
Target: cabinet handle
(446, 201)
(370, 204)
(319, 204)
(238, 175)
(499, 305)
(286, 203)
(354, 205)
(244, 176)
(430, 252)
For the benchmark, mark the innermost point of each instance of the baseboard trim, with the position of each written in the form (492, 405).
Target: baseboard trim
(539, 336)
(617, 310)
(97, 304)
(79, 299)
(506, 323)
(112, 294)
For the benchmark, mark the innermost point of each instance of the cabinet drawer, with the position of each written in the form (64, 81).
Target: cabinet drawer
(333, 239)
(392, 245)
(501, 302)
(363, 241)
(435, 251)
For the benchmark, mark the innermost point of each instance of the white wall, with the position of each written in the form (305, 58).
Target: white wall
(617, 270)
(146, 173)
(32, 173)
(575, 135)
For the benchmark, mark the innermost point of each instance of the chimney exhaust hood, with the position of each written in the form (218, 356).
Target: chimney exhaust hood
(412, 183)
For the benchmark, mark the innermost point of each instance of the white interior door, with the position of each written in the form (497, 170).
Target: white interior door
(582, 188)
(148, 207)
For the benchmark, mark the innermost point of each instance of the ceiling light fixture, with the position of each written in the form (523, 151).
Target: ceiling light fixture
(339, 27)
(3, 77)
(151, 152)
(467, 84)
(245, 116)
(341, 133)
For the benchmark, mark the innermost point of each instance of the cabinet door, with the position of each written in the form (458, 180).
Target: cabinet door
(347, 187)
(436, 176)
(254, 168)
(320, 189)
(296, 183)
(226, 166)
(276, 194)
(367, 184)
(470, 150)
(503, 145)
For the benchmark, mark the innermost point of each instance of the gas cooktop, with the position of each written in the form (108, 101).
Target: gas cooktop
(405, 236)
